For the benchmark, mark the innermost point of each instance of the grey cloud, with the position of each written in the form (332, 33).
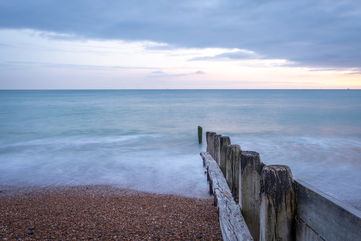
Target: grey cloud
(199, 72)
(161, 47)
(76, 66)
(322, 69)
(323, 33)
(4, 45)
(158, 72)
(162, 74)
(228, 56)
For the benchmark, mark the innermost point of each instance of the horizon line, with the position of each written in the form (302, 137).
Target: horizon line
(179, 89)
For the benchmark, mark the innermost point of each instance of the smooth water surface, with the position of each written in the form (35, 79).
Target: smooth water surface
(146, 139)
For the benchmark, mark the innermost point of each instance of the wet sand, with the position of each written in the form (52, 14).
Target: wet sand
(103, 213)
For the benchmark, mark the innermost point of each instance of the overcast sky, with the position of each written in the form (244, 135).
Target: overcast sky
(65, 44)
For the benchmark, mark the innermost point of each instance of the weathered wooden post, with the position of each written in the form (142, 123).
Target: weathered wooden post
(210, 142)
(236, 166)
(232, 158)
(217, 150)
(250, 193)
(200, 132)
(223, 142)
(277, 211)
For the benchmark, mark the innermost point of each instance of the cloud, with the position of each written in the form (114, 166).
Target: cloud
(72, 66)
(4, 45)
(162, 74)
(199, 72)
(161, 47)
(236, 55)
(324, 33)
(354, 72)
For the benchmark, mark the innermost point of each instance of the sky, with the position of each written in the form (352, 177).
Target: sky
(188, 44)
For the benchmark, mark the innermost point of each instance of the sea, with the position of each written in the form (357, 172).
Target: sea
(146, 140)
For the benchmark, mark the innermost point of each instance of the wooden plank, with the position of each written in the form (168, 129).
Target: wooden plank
(325, 216)
(233, 226)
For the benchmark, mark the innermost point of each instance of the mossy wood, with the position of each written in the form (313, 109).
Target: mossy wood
(200, 132)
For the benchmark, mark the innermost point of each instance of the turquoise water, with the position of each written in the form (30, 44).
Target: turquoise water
(146, 139)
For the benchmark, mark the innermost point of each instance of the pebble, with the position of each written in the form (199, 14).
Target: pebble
(105, 213)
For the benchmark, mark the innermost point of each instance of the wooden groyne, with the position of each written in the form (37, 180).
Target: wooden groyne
(232, 224)
(270, 203)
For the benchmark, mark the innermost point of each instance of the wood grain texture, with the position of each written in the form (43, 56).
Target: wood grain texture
(277, 213)
(232, 224)
(250, 191)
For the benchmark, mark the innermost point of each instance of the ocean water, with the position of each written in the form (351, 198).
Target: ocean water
(146, 139)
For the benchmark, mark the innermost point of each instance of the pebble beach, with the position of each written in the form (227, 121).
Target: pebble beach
(104, 213)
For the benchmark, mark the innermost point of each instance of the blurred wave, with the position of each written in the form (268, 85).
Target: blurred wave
(146, 140)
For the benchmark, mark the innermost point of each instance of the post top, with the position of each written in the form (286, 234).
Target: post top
(236, 146)
(278, 168)
(250, 153)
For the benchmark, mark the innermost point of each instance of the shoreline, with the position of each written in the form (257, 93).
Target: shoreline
(104, 213)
